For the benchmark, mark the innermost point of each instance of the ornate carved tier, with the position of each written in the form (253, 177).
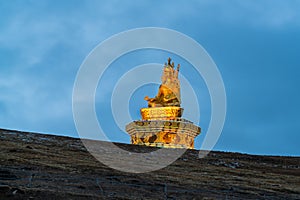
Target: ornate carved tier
(178, 133)
(161, 113)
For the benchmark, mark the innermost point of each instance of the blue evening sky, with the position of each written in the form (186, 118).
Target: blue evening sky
(255, 44)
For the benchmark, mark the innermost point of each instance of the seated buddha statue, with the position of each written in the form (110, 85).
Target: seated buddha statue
(169, 90)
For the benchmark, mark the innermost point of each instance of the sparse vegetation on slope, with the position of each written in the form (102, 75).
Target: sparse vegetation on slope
(39, 166)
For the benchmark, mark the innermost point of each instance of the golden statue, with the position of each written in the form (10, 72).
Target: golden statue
(161, 124)
(169, 90)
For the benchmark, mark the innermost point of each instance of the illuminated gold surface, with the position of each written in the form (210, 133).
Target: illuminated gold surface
(161, 124)
(164, 139)
(168, 113)
(163, 133)
(169, 90)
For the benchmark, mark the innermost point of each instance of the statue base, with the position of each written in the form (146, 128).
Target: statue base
(163, 127)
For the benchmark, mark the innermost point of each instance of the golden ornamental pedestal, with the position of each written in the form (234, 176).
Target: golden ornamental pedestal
(161, 124)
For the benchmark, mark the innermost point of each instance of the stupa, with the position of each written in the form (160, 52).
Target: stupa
(162, 124)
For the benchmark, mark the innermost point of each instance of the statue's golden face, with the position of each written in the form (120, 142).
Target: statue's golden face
(165, 90)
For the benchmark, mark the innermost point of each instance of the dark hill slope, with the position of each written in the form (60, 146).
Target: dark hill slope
(39, 166)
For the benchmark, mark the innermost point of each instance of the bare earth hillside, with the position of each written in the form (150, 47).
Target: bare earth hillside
(40, 166)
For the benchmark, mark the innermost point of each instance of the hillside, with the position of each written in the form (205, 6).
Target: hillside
(40, 166)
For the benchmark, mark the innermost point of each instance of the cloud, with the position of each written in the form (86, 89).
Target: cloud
(271, 13)
(29, 103)
(43, 43)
